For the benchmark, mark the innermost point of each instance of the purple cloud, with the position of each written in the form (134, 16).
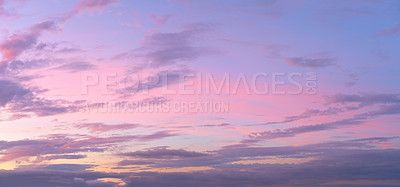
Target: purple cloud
(9, 91)
(164, 153)
(314, 63)
(18, 43)
(162, 49)
(60, 144)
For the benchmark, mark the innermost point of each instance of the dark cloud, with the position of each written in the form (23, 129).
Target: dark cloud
(347, 168)
(225, 156)
(343, 161)
(333, 164)
(314, 63)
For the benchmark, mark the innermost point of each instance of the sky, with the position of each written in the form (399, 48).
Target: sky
(200, 93)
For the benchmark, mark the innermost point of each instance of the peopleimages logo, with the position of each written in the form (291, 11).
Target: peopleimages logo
(172, 83)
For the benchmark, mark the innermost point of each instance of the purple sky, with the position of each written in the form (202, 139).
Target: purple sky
(200, 93)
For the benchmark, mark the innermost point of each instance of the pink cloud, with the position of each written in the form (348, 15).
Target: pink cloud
(18, 43)
(160, 19)
(91, 5)
(389, 31)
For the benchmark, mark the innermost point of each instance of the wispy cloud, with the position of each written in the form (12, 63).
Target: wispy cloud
(18, 43)
(161, 49)
(390, 31)
(314, 63)
(164, 153)
(60, 144)
(101, 127)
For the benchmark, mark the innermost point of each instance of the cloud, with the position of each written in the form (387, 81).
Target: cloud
(58, 145)
(159, 80)
(164, 153)
(103, 141)
(218, 125)
(55, 157)
(67, 167)
(162, 49)
(354, 160)
(348, 167)
(348, 100)
(18, 43)
(160, 19)
(314, 63)
(19, 101)
(390, 31)
(293, 131)
(274, 50)
(306, 114)
(101, 127)
(9, 91)
(357, 119)
(90, 5)
(364, 99)
(156, 135)
(358, 159)
(48, 178)
(76, 67)
(134, 162)
(31, 104)
(22, 148)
